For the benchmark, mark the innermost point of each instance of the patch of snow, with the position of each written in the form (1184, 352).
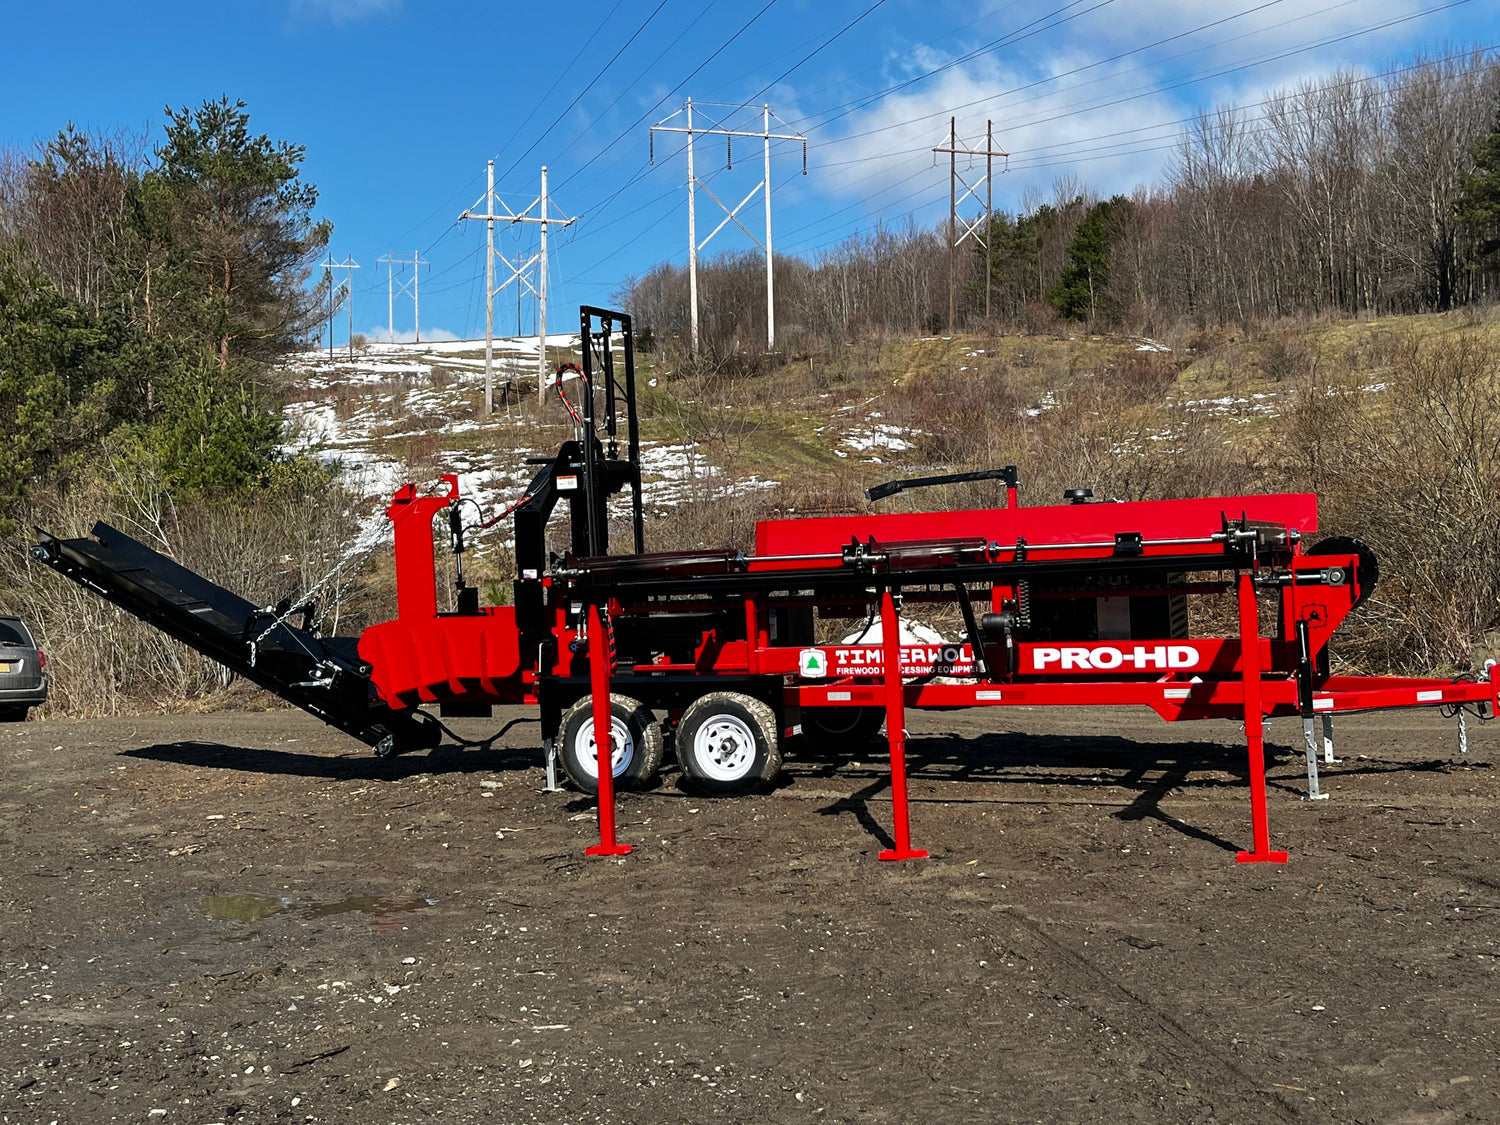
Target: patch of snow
(1048, 402)
(879, 436)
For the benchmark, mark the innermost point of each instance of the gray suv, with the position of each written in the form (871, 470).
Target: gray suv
(23, 671)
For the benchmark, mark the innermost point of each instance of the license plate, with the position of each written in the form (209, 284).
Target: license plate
(7, 666)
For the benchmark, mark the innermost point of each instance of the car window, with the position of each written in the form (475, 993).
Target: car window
(12, 632)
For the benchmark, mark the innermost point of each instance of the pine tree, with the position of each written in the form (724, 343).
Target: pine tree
(140, 300)
(234, 220)
(1081, 286)
(1479, 205)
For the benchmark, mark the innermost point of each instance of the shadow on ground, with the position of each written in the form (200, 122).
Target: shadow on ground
(1095, 763)
(358, 766)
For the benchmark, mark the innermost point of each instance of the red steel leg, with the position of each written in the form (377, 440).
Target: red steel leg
(603, 737)
(1254, 727)
(895, 730)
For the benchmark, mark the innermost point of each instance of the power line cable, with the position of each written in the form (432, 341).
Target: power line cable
(844, 82)
(1136, 93)
(885, 156)
(827, 42)
(1007, 40)
(562, 72)
(592, 83)
(696, 71)
(1100, 62)
(1019, 159)
(649, 68)
(821, 47)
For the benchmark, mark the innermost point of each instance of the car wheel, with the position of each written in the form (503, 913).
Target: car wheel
(13, 714)
(636, 741)
(728, 744)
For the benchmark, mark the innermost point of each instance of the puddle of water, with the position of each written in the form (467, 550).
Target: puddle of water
(243, 908)
(367, 904)
(257, 908)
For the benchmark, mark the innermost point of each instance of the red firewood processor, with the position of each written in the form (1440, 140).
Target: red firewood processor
(715, 651)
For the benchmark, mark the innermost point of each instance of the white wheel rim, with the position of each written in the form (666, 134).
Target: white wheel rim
(724, 748)
(587, 750)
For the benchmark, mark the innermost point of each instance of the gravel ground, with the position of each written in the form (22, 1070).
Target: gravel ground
(244, 917)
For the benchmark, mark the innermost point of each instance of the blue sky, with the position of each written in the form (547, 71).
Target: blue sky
(401, 103)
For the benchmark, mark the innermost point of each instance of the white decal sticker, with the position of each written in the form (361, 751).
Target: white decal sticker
(812, 663)
(1107, 658)
(916, 660)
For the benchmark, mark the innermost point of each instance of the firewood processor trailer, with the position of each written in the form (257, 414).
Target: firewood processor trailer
(717, 651)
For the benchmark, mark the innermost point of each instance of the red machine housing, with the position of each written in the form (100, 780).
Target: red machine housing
(424, 656)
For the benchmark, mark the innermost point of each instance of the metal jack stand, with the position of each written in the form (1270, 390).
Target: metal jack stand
(1311, 750)
(1305, 706)
(1328, 758)
(549, 754)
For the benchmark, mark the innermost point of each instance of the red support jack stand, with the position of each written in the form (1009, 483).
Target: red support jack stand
(603, 736)
(895, 730)
(1254, 726)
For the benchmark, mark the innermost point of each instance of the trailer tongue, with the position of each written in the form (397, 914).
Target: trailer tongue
(1079, 604)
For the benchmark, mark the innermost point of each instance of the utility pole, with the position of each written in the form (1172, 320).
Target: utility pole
(541, 304)
(395, 288)
(517, 274)
(954, 149)
(348, 265)
(328, 273)
(718, 127)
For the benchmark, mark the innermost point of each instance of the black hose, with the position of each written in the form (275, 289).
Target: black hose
(483, 743)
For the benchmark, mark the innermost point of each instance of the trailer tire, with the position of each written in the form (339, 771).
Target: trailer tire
(637, 738)
(841, 730)
(728, 744)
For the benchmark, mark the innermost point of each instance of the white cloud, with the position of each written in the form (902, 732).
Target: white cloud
(1092, 122)
(342, 12)
(889, 145)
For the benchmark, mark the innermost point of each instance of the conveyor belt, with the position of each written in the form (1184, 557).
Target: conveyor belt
(322, 675)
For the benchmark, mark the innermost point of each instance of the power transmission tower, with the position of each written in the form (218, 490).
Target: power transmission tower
(348, 265)
(716, 127)
(956, 148)
(394, 289)
(517, 270)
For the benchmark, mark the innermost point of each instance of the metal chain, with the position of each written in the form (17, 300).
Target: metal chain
(369, 538)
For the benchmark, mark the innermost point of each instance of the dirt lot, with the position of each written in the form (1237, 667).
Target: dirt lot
(243, 917)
